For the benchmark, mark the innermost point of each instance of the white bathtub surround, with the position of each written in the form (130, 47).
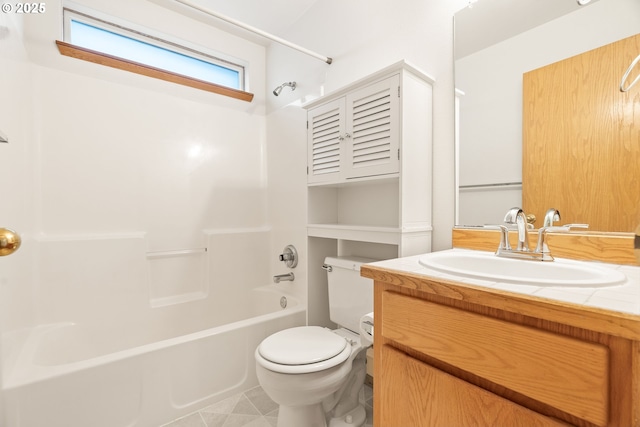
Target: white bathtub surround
(99, 156)
(108, 170)
(103, 284)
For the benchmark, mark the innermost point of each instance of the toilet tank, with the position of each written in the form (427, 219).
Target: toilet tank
(350, 295)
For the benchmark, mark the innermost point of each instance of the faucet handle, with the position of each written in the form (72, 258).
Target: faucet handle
(289, 256)
(566, 227)
(504, 235)
(570, 226)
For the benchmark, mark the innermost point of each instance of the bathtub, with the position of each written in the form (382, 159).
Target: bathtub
(70, 375)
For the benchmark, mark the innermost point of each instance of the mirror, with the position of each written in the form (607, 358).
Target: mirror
(496, 41)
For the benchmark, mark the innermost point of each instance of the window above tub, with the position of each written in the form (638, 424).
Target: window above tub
(97, 40)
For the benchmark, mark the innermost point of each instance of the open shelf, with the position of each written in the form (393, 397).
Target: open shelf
(389, 235)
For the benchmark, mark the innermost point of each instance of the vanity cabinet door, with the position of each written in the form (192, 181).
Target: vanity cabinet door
(417, 394)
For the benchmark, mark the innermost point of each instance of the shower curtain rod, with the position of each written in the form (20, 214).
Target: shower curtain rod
(255, 30)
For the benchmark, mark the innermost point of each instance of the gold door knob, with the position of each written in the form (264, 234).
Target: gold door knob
(9, 241)
(531, 218)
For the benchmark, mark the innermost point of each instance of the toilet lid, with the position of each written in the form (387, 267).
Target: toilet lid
(302, 346)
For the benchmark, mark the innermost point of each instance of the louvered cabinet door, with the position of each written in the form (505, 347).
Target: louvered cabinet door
(373, 130)
(326, 136)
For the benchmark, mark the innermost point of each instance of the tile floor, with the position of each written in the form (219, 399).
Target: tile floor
(252, 408)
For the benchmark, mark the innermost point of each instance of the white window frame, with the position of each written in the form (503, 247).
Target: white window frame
(160, 40)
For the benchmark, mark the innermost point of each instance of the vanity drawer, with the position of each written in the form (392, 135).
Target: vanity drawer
(565, 373)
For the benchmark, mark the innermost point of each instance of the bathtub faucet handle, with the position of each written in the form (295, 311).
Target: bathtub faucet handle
(285, 257)
(289, 256)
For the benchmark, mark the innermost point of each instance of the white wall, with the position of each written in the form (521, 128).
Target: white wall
(491, 108)
(287, 191)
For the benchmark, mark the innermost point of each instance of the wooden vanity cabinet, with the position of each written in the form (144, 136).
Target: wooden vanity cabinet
(452, 401)
(446, 355)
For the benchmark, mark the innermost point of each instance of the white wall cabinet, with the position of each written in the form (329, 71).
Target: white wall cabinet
(369, 173)
(356, 135)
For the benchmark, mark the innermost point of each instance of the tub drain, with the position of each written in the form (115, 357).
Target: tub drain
(283, 302)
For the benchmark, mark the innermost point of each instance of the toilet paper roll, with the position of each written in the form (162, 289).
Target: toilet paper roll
(366, 329)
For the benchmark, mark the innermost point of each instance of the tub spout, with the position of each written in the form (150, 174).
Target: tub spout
(289, 277)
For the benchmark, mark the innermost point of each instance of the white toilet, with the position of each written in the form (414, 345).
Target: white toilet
(315, 374)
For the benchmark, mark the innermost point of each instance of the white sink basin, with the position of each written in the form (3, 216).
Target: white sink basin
(488, 266)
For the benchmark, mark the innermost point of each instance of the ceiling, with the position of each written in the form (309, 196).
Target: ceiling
(490, 21)
(271, 16)
(486, 22)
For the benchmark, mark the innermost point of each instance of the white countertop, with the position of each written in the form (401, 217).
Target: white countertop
(623, 298)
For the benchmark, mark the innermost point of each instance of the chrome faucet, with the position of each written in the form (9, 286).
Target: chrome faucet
(289, 277)
(516, 216)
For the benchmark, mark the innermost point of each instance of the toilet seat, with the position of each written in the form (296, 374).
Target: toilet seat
(303, 349)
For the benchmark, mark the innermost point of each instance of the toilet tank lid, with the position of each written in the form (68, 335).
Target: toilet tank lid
(348, 262)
